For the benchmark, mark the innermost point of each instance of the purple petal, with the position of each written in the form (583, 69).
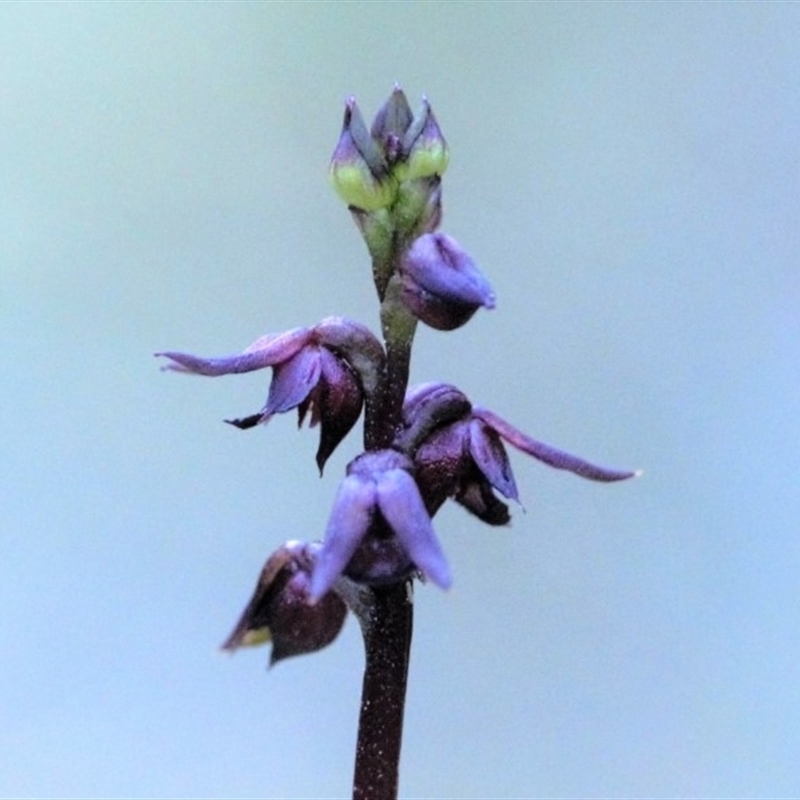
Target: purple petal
(439, 313)
(293, 380)
(444, 269)
(550, 455)
(401, 505)
(441, 463)
(264, 352)
(349, 521)
(489, 454)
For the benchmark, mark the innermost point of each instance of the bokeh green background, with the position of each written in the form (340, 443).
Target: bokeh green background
(626, 175)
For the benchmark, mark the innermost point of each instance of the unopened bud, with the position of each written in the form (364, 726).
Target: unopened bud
(391, 124)
(425, 151)
(442, 286)
(359, 171)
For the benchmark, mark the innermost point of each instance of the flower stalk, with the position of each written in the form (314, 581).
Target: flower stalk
(423, 445)
(387, 647)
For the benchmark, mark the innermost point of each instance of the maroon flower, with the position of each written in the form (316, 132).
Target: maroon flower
(279, 610)
(322, 371)
(458, 451)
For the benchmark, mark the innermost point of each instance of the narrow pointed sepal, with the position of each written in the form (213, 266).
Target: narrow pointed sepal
(264, 352)
(491, 458)
(551, 455)
(293, 380)
(245, 423)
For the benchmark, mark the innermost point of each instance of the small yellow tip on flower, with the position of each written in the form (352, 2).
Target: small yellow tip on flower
(256, 637)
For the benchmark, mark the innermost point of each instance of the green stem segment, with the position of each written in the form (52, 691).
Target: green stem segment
(384, 409)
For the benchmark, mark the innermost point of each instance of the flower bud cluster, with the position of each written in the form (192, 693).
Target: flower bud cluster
(374, 169)
(390, 178)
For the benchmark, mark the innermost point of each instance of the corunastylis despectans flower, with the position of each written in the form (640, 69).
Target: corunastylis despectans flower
(323, 371)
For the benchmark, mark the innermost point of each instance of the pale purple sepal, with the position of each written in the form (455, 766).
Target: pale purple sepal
(348, 523)
(442, 267)
(264, 352)
(401, 505)
(293, 380)
(550, 455)
(489, 454)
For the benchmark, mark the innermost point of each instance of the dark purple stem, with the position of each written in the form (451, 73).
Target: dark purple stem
(387, 642)
(383, 410)
(387, 616)
(398, 362)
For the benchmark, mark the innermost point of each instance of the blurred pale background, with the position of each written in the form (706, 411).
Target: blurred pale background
(627, 177)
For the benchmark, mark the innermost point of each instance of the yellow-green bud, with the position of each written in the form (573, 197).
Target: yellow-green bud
(358, 169)
(425, 151)
(417, 209)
